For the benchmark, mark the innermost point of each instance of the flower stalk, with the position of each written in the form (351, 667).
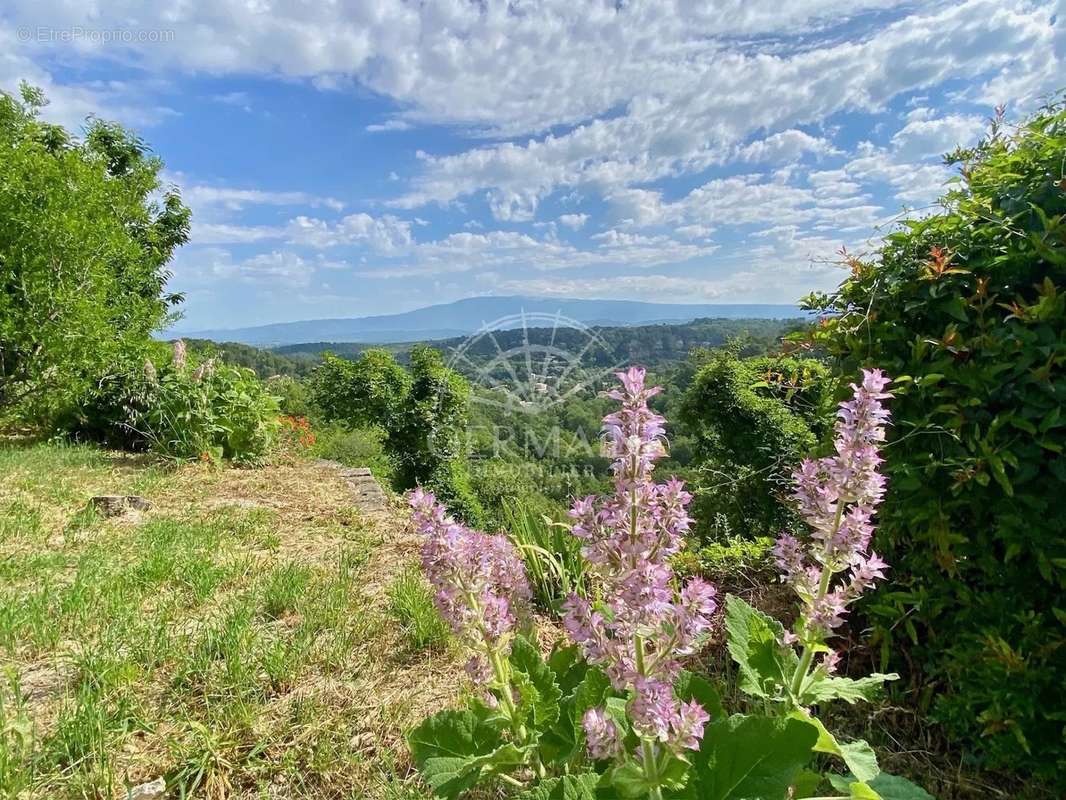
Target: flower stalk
(481, 590)
(643, 626)
(837, 496)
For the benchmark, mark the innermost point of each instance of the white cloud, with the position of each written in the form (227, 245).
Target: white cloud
(935, 136)
(685, 115)
(574, 221)
(785, 146)
(204, 267)
(234, 198)
(564, 105)
(228, 233)
(387, 234)
(394, 124)
(650, 93)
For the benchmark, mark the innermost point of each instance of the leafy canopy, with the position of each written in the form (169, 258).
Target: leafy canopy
(84, 243)
(966, 309)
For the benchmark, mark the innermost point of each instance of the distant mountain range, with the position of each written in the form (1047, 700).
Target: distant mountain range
(464, 317)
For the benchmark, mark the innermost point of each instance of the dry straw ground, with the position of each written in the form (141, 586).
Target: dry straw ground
(237, 638)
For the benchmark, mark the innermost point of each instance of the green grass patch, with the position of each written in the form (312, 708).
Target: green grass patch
(411, 605)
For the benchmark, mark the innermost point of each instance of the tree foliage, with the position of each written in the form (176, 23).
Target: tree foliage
(265, 363)
(84, 244)
(422, 411)
(965, 308)
(752, 420)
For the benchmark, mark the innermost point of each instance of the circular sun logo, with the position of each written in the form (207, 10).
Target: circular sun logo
(528, 362)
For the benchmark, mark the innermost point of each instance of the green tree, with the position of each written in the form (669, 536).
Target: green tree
(423, 413)
(84, 245)
(966, 309)
(751, 421)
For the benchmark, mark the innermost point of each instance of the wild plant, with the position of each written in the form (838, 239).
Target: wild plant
(411, 605)
(616, 715)
(552, 557)
(643, 626)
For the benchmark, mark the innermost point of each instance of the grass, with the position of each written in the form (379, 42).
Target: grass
(241, 639)
(552, 556)
(411, 605)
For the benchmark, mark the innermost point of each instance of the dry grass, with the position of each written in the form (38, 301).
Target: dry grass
(234, 638)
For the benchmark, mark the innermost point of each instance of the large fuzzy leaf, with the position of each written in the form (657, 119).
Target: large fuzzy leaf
(569, 667)
(690, 686)
(539, 691)
(884, 786)
(567, 787)
(454, 748)
(823, 688)
(566, 738)
(750, 758)
(766, 665)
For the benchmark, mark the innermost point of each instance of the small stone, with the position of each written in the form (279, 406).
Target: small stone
(113, 505)
(148, 791)
(110, 505)
(138, 503)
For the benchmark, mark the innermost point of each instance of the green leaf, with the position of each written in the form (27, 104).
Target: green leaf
(861, 759)
(543, 701)
(569, 667)
(893, 787)
(806, 783)
(453, 748)
(766, 665)
(956, 308)
(450, 776)
(567, 787)
(859, 756)
(823, 688)
(862, 791)
(690, 686)
(750, 758)
(567, 737)
(628, 778)
(884, 786)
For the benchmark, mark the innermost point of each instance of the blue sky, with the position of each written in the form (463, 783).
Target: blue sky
(371, 157)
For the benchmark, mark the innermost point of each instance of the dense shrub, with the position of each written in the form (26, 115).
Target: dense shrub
(355, 447)
(422, 413)
(179, 409)
(106, 413)
(85, 237)
(966, 306)
(208, 411)
(750, 421)
(294, 398)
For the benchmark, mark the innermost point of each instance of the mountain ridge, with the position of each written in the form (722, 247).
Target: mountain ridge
(469, 315)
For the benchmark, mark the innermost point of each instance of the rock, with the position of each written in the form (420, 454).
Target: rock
(138, 503)
(148, 791)
(356, 472)
(113, 505)
(366, 491)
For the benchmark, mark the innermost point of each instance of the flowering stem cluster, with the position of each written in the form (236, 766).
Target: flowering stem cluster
(480, 589)
(837, 497)
(643, 625)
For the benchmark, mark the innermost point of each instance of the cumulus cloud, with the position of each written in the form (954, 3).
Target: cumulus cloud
(702, 135)
(277, 269)
(234, 198)
(394, 124)
(574, 221)
(933, 136)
